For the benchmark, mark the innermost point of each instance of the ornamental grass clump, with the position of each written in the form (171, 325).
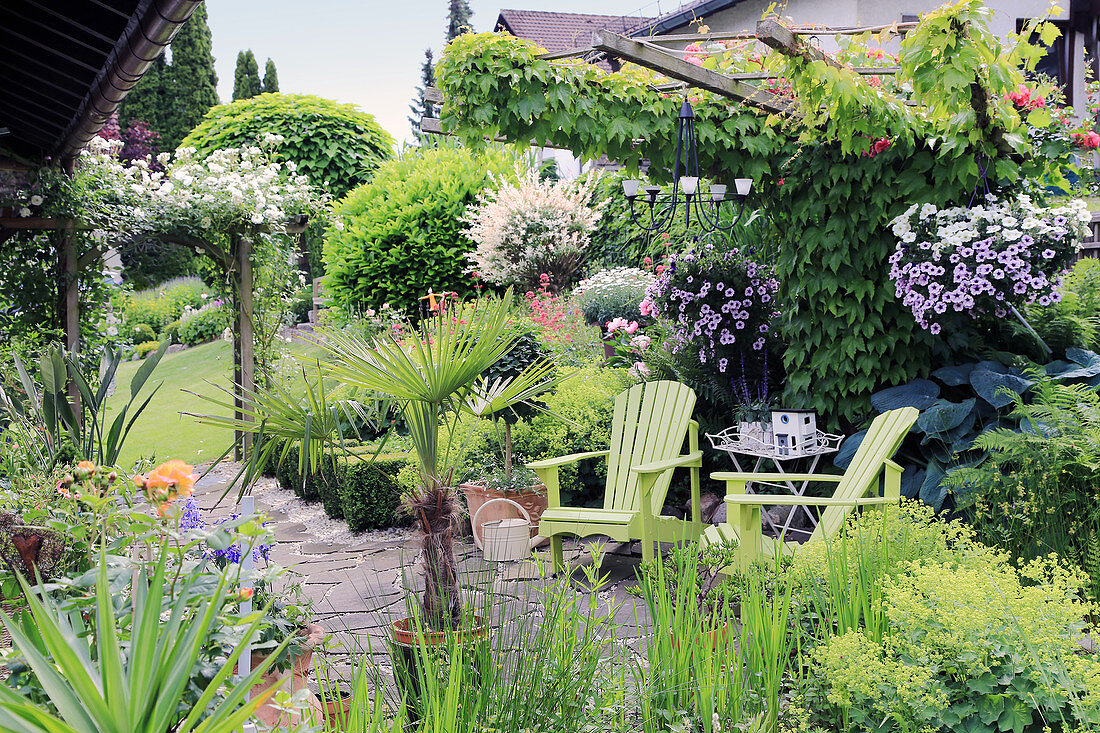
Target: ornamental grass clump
(983, 260)
(527, 228)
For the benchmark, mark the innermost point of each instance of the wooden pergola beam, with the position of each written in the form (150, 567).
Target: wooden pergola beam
(636, 52)
(774, 35)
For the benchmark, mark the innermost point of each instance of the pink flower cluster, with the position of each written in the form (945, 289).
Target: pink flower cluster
(616, 324)
(1022, 98)
(1088, 140)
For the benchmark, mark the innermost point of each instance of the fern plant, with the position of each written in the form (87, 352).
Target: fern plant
(1036, 492)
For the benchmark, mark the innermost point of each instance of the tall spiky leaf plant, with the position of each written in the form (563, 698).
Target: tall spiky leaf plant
(97, 687)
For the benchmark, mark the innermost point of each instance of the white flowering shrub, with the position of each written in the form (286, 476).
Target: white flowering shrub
(615, 277)
(227, 190)
(529, 227)
(614, 293)
(983, 260)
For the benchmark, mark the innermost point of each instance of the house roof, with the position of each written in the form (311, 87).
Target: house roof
(678, 18)
(563, 31)
(66, 66)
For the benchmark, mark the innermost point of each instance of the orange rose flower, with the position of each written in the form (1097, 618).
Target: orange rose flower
(172, 475)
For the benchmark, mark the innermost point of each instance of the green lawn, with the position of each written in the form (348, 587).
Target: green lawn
(161, 431)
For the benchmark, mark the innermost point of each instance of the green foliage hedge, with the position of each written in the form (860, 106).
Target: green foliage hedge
(366, 494)
(369, 492)
(336, 146)
(400, 234)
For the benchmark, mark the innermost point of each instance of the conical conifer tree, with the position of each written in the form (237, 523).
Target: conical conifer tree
(246, 78)
(420, 107)
(458, 18)
(271, 77)
(192, 82)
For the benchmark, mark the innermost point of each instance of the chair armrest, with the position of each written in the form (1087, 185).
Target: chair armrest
(750, 477)
(693, 459)
(565, 460)
(787, 500)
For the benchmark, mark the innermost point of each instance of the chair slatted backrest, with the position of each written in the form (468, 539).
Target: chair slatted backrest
(650, 424)
(881, 442)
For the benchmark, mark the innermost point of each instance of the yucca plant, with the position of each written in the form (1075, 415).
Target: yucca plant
(48, 415)
(97, 686)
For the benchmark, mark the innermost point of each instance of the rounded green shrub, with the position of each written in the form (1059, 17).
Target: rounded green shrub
(141, 333)
(205, 324)
(399, 235)
(336, 146)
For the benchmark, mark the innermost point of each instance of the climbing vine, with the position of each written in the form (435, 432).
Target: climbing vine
(849, 156)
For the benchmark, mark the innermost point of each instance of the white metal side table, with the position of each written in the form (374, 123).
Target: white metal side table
(735, 443)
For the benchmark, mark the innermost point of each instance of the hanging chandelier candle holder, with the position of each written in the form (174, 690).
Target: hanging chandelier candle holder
(707, 207)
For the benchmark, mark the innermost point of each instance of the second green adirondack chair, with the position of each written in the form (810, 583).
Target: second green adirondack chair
(859, 486)
(651, 421)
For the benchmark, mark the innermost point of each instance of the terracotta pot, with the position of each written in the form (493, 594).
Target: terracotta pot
(290, 680)
(337, 712)
(711, 640)
(403, 634)
(533, 500)
(406, 657)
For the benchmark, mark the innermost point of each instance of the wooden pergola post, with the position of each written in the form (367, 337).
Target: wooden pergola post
(244, 338)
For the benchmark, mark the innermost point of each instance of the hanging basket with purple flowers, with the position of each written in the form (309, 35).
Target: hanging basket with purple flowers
(983, 260)
(720, 307)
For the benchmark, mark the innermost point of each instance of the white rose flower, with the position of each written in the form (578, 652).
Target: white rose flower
(37, 200)
(24, 212)
(112, 331)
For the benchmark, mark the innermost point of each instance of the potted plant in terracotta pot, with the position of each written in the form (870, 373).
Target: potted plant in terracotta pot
(496, 476)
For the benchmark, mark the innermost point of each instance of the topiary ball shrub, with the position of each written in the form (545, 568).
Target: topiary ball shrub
(399, 235)
(337, 146)
(142, 332)
(369, 491)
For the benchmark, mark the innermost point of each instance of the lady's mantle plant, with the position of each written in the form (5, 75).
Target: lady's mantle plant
(983, 260)
(529, 228)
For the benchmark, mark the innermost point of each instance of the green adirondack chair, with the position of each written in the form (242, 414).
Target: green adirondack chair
(859, 486)
(650, 423)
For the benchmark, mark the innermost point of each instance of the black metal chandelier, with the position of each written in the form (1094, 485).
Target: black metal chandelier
(708, 206)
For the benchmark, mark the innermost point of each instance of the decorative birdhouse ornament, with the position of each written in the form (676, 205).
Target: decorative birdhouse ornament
(794, 431)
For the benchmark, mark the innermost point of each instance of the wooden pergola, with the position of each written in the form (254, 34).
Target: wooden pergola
(67, 67)
(653, 53)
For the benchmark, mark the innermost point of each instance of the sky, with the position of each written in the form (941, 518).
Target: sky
(367, 52)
